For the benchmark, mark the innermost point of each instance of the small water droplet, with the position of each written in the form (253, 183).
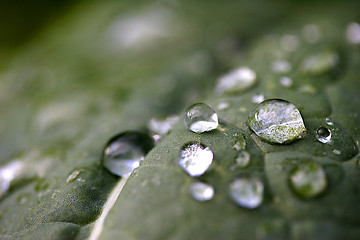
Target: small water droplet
(22, 199)
(223, 105)
(201, 191)
(286, 81)
(320, 63)
(308, 179)
(257, 98)
(308, 89)
(195, 159)
(337, 152)
(239, 145)
(200, 117)
(242, 159)
(124, 152)
(72, 176)
(289, 43)
(353, 33)
(236, 81)
(276, 121)
(162, 126)
(329, 121)
(311, 33)
(281, 66)
(247, 192)
(323, 135)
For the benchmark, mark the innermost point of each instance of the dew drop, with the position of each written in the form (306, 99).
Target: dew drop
(201, 191)
(72, 176)
(242, 159)
(281, 66)
(247, 192)
(329, 121)
(276, 121)
(200, 117)
(257, 98)
(353, 33)
(289, 43)
(124, 152)
(286, 81)
(195, 159)
(22, 199)
(320, 63)
(223, 105)
(308, 179)
(236, 81)
(162, 126)
(323, 135)
(337, 152)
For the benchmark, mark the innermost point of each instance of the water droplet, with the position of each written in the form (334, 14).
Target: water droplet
(323, 135)
(195, 159)
(337, 152)
(72, 176)
(320, 63)
(281, 66)
(223, 105)
(8, 173)
(311, 33)
(247, 192)
(124, 152)
(201, 191)
(289, 43)
(308, 179)
(200, 117)
(236, 81)
(353, 33)
(162, 126)
(257, 98)
(276, 121)
(329, 121)
(239, 145)
(286, 81)
(308, 89)
(242, 159)
(22, 199)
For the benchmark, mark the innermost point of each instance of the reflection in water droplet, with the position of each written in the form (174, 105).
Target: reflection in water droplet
(242, 159)
(308, 179)
(162, 126)
(257, 98)
(124, 152)
(223, 105)
(311, 33)
(201, 191)
(320, 63)
(289, 43)
(72, 176)
(247, 192)
(236, 81)
(329, 121)
(200, 117)
(195, 159)
(323, 135)
(276, 121)
(286, 81)
(281, 66)
(353, 33)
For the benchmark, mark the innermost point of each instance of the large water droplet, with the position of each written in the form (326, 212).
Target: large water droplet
(308, 179)
(201, 191)
(242, 159)
(276, 121)
(323, 135)
(124, 152)
(247, 192)
(200, 117)
(195, 159)
(236, 81)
